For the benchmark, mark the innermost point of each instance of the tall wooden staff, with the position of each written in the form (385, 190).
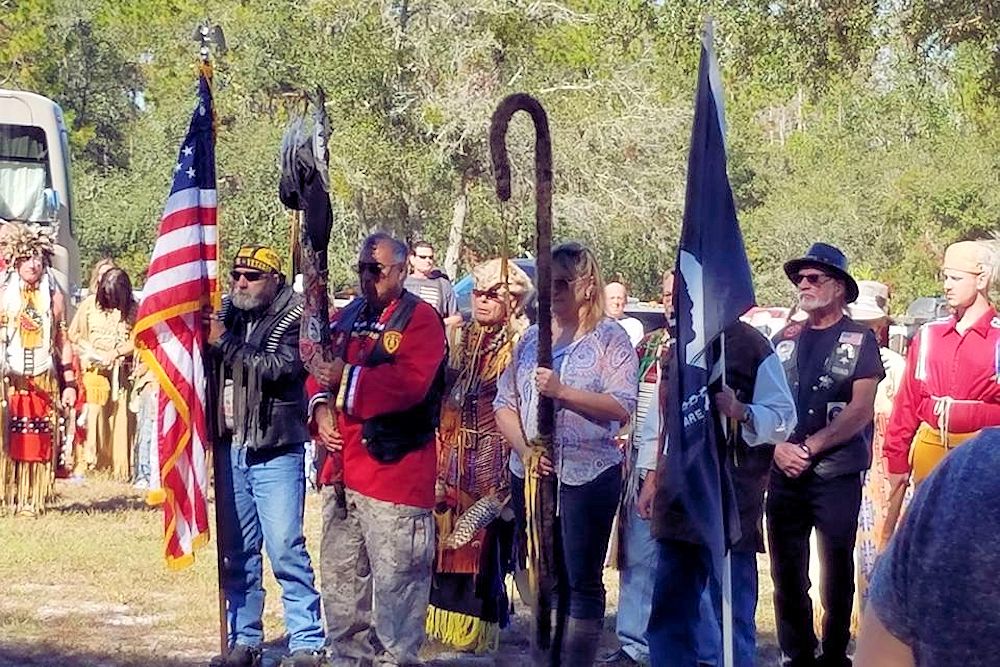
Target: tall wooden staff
(305, 187)
(540, 492)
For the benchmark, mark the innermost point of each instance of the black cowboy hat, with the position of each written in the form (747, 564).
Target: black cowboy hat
(827, 258)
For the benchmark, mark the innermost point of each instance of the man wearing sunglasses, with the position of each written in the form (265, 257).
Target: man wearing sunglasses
(261, 490)
(431, 285)
(379, 403)
(833, 367)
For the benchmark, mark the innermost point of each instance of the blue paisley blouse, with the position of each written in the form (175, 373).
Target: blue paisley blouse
(601, 361)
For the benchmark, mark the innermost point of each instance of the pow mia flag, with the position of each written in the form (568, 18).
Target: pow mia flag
(713, 288)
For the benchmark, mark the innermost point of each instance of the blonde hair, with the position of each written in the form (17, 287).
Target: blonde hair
(95, 273)
(579, 261)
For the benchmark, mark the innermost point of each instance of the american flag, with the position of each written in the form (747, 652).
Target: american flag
(182, 280)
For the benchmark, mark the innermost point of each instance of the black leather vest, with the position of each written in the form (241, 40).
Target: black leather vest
(818, 404)
(389, 437)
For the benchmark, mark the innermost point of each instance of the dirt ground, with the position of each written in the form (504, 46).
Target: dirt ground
(85, 586)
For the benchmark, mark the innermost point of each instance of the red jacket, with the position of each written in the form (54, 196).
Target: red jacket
(366, 392)
(941, 362)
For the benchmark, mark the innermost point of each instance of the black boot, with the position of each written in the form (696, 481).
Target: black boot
(239, 655)
(583, 636)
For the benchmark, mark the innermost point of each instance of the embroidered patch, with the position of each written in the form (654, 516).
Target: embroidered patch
(313, 329)
(791, 331)
(833, 409)
(391, 341)
(995, 323)
(785, 349)
(851, 337)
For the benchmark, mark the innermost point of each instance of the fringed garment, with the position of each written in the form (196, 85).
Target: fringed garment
(109, 424)
(468, 603)
(29, 448)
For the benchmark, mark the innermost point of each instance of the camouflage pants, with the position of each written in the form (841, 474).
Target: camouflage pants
(375, 568)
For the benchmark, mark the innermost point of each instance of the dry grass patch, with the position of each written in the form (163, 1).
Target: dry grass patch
(85, 585)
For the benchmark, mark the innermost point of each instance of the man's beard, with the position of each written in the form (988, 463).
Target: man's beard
(810, 303)
(248, 301)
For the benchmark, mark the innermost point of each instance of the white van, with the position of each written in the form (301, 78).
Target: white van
(35, 175)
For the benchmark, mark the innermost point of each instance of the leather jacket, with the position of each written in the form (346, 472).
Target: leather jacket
(260, 354)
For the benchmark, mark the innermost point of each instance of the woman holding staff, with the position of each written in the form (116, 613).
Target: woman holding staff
(593, 384)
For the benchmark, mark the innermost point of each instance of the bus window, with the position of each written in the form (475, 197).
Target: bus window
(64, 140)
(24, 173)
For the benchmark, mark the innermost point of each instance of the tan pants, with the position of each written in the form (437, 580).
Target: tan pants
(927, 449)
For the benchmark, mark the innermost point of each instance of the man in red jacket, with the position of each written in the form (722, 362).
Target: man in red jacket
(951, 388)
(378, 404)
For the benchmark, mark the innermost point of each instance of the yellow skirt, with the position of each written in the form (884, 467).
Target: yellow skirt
(927, 449)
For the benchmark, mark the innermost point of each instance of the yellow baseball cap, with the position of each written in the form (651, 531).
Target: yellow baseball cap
(257, 257)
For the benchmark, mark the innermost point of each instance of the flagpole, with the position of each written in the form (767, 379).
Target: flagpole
(205, 69)
(727, 563)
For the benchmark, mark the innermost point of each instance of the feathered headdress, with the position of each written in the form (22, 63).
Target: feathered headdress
(20, 241)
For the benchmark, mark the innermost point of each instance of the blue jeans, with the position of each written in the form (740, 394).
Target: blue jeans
(635, 586)
(585, 517)
(146, 436)
(261, 496)
(744, 599)
(682, 572)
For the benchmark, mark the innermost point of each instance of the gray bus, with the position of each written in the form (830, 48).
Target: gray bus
(35, 176)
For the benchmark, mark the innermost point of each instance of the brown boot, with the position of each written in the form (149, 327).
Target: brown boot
(583, 636)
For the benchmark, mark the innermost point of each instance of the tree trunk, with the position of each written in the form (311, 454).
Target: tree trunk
(460, 212)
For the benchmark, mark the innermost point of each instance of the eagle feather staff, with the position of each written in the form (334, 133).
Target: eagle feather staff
(305, 187)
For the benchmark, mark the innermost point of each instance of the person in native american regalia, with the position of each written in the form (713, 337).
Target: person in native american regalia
(37, 369)
(101, 333)
(468, 605)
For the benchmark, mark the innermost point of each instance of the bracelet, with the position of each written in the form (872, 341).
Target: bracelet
(804, 447)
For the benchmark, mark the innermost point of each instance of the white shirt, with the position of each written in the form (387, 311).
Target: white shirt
(633, 328)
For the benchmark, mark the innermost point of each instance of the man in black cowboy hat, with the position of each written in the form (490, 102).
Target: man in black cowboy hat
(833, 367)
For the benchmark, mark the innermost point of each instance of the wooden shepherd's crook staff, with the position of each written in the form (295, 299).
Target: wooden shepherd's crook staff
(541, 505)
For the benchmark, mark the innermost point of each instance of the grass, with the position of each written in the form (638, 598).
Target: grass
(85, 585)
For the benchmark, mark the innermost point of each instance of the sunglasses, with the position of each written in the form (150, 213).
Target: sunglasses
(560, 284)
(491, 294)
(251, 276)
(811, 278)
(424, 256)
(373, 268)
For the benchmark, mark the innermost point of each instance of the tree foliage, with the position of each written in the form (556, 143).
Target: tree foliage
(867, 123)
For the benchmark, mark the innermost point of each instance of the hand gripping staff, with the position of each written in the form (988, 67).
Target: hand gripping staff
(305, 187)
(539, 491)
